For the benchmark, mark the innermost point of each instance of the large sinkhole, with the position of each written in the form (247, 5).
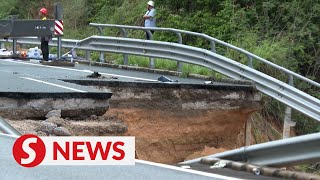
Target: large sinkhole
(171, 122)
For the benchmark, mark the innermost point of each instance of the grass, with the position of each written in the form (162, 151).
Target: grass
(308, 168)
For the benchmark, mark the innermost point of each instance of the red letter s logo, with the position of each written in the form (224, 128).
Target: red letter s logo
(29, 150)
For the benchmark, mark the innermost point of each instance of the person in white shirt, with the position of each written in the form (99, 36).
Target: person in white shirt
(150, 17)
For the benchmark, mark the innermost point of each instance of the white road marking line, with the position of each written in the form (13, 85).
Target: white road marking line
(186, 170)
(86, 71)
(6, 71)
(136, 78)
(57, 85)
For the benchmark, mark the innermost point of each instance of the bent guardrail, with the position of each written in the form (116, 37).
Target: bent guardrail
(213, 42)
(285, 152)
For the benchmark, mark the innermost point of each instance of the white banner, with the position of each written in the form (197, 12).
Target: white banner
(74, 150)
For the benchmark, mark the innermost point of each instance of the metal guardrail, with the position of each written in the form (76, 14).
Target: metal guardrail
(212, 40)
(66, 43)
(285, 152)
(279, 90)
(6, 128)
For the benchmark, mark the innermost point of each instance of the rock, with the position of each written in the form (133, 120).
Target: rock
(47, 127)
(40, 133)
(117, 127)
(93, 117)
(61, 131)
(58, 121)
(54, 113)
(108, 118)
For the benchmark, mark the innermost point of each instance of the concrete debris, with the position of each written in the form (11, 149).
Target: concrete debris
(40, 133)
(94, 75)
(47, 127)
(61, 131)
(54, 113)
(58, 121)
(117, 127)
(93, 117)
(112, 117)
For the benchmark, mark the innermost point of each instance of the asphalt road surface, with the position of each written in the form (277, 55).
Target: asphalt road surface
(24, 76)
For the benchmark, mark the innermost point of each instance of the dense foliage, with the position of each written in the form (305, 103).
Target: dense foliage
(286, 32)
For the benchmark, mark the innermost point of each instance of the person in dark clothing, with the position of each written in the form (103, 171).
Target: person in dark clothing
(44, 39)
(45, 49)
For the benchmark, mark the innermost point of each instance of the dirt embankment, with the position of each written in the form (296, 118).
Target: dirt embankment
(170, 137)
(175, 122)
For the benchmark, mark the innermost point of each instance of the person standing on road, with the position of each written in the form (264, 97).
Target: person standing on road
(150, 17)
(44, 39)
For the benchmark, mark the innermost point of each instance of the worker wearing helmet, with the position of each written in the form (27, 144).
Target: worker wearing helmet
(150, 17)
(43, 13)
(44, 39)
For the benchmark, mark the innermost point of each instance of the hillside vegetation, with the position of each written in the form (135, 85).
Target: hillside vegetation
(286, 32)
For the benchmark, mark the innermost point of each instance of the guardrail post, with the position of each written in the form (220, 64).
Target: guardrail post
(151, 64)
(59, 48)
(125, 56)
(213, 46)
(287, 123)
(250, 61)
(179, 64)
(59, 16)
(14, 46)
(2, 45)
(100, 30)
(101, 53)
(14, 41)
(88, 53)
(102, 57)
(248, 132)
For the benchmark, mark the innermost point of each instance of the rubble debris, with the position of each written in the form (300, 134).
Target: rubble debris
(93, 117)
(94, 75)
(117, 127)
(40, 133)
(54, 113)
(61, 131)
(58, 121)
(47, 127)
